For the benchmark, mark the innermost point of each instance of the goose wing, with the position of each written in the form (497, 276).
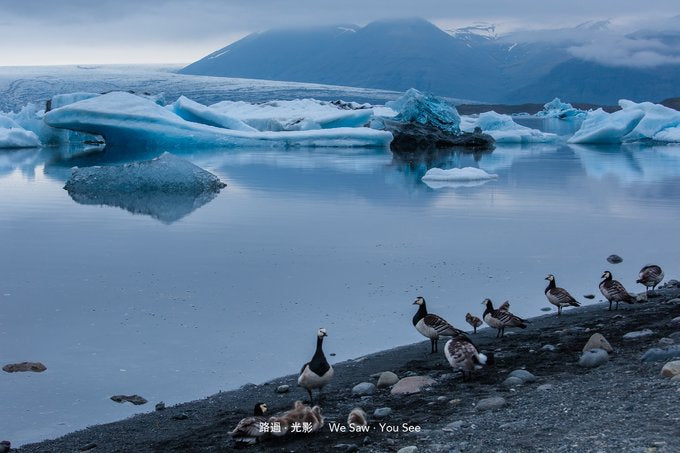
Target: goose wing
(508, 319)
(562, 297)
(248, 427)
(651, 274)
(614, 290)
(442, 327)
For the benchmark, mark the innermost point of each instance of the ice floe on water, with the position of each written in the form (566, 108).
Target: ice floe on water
(644, 121)
(504, 130)
(438, 178)
(560, 110)
(295, 115)
(166, 188)
(127, 120)
(12, 135)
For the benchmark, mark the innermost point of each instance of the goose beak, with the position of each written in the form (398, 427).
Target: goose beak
(547, 278)
(603, 275)
(415, 302)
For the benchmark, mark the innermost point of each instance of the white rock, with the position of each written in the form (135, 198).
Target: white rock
(638, 334)
(593, 358)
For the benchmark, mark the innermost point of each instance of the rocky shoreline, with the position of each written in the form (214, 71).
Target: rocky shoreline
(623, 404)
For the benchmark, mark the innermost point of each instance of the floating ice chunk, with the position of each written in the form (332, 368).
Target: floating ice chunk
(16, 137)
(30, 117)
(656, 119)
(295, 115)
(427, 110)
(602, 127)
(166, 188)
(457, 174)
(504, 130)
(672, 134)
(199, 113)
(561, 110)
(126, 120)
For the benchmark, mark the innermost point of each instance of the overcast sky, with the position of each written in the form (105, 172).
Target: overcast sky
(39, 32)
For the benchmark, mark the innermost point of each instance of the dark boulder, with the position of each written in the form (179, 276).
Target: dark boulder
(413, 136)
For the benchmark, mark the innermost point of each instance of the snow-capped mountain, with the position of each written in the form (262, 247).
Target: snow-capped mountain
(586, 63)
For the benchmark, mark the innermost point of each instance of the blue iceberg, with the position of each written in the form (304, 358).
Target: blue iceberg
(427, 110)
(560, 110)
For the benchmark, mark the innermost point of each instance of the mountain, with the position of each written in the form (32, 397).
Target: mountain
(473, 63)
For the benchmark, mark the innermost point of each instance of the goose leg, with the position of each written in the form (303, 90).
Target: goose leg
(559, 310)
(610, 305)
(311, 399)
(475, 329)
(432, 341)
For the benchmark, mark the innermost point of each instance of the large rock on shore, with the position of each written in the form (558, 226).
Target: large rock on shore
(593, 358)
(386, 379)
(659, 354)
(495, 402)
(412, 384)
(671, 369)
(598, 341)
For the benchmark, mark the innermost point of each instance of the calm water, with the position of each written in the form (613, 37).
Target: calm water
(180, 303)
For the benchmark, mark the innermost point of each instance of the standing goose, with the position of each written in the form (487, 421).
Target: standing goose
(614, 291)
(464, 357)
(650, 276)
(501, 319)
(473, 321)
(433, 326)
(559, 297)
(249, 430)
(316, 373)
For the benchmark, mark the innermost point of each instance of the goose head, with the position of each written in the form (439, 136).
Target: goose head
(260, 409)
(550, 278)
(420, 300)
(607, 275)
(321, 333)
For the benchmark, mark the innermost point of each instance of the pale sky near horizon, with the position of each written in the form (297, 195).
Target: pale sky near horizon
(42, 32)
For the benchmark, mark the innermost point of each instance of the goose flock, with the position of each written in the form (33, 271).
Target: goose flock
(460, 351)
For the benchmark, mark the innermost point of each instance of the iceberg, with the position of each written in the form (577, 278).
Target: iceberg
(561, 110)
(426, 110)
(643, 121)
(504, 130)
(166, 188)
(192, 111)
(12, 135)
(61, 100)
(127, 120)
(295, 115)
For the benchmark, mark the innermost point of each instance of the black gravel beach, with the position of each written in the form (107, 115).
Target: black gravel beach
(624, 404)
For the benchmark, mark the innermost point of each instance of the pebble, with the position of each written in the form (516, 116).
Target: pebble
(513, 381)
(35, 367)
(519, 424)
(589, 296)
(548, 347)
(674, 335)
(638, 334)
(597, 341)
(182, 416)
(410, 374)
(412, 384)
(666, 341)
(593, 358)
(671, 369)
(442, 398)
(614, 259)
(524, 375)
(545, 387)
(454, 426)
(282, 388)
(387, 379)
(88, 447)
(546, 309)
(675, 320)
(495, 402)
(134, 399)
(409, 449)
(365, 388)
(659, 354)
(674, 301)
(382, 412)
(160, 406)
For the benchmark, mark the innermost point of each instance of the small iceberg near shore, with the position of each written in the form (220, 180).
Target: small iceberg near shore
(126, 120)
(635, 122)
(166, 188)
(437, 178)
(560, 110)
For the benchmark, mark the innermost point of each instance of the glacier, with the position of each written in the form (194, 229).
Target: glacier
(560, 110)
(127, 120)
(504, 130)
(294, 115)
(644, 121)
(427, 110)
(166, 188)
